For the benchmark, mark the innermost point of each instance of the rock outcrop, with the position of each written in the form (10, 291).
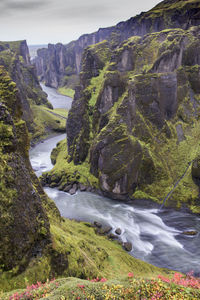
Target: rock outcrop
(24, 224)
(14, 56)
(135, 118)
(36, 110)
(56, 63)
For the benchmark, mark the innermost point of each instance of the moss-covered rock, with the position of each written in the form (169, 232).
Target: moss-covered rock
(137, 120)
(14, 57)
(23, 235)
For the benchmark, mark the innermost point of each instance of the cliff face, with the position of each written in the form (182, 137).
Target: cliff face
(135, 116)
(58, 61)
(54, 63)
(24, 224)
(14, 56)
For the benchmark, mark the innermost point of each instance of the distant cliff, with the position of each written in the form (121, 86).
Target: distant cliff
(59, 61)
(14, 57)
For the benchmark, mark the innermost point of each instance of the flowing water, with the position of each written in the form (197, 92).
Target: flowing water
(56, 99)
(157, 236)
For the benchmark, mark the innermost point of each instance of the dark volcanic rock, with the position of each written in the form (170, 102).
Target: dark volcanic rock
(73, 190)
(97, 224)
(112, 236)
(104, 230)
(17, 63)
(190, 233)
(24, 224)
(82, 187)
(118, 231)
(125, 126)
(67, 188)
(127, 246)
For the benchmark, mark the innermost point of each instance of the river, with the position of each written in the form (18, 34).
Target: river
(157, 236)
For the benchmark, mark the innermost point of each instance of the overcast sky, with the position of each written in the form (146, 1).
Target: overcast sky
(52, 21)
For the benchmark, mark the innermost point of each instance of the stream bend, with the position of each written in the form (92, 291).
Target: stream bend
(157, 236)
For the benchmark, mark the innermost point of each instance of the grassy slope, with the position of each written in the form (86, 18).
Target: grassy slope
(66, 91)
(89, 256)
(47, 121)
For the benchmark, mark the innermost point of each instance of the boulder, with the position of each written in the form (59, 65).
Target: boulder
(127, 246)
(67, 188)
(118, 231)
(190, 232)
(82, 188)
(97, 224)
(112, 236)
(72, 191)
(104, 230)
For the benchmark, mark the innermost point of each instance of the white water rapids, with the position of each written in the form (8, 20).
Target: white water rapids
(156, 235)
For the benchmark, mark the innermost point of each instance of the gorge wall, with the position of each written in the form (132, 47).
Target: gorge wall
(24, 223)
(59, 62)
(36, 110)
(14, 56)
(134, 121)
(35, 242)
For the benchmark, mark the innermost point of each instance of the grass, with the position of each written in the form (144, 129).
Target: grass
(66, 91)
(64, 169)
(46, 122)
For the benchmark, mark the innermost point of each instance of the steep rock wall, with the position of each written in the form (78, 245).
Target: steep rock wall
(14, 56)
(141, 111)
(24, 223)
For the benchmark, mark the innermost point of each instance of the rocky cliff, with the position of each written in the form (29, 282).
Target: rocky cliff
(134, 121)
(36, 110)
(14, 56)
(24, 223)
(35, 242)
(57, 63)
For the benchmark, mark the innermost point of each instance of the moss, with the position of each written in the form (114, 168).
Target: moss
(95, 87)
(47, 121)
(165, 8)
(66, 91)
(68, 172)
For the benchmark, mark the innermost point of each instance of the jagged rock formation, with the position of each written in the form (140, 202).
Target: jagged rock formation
(24, 223)
(135, 118)
(36, 110)
(14, 56)
(58, 61)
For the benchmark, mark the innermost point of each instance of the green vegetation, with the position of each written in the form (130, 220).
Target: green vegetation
(65, 244)
(66, 172)
(141, 122)
(66, 91)
(47, 121)
(126, 287)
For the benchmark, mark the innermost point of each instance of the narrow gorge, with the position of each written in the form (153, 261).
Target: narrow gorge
(100, 162)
